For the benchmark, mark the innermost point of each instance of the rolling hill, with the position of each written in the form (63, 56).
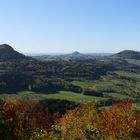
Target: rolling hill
(128, 54)
(7, 52)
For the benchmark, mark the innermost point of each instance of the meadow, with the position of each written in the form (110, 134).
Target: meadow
(60, 95)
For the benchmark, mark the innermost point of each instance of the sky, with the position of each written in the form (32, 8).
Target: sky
(64, 26)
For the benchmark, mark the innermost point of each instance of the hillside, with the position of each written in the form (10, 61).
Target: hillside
(128, 54)
(76, 53)
(7, 52)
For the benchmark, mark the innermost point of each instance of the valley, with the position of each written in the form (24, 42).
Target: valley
(80, 78)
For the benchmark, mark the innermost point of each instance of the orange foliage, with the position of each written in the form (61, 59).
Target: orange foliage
(118, 121)
(87, 122)
(19, 118)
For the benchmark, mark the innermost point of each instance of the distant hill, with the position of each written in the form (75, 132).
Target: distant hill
(72, 56)
(76, 53)
(7, 52)
(129, 54)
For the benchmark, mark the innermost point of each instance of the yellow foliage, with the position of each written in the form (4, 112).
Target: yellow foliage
(89, 123)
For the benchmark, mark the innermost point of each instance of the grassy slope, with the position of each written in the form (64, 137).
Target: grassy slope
(118, 84)
(119, 96)
(133, 61)
(71, 96)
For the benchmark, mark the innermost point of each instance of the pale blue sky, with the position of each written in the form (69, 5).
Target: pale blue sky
(44, 26)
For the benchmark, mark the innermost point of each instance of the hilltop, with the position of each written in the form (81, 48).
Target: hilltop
(7, 52)
(128, 54)
(76, 53)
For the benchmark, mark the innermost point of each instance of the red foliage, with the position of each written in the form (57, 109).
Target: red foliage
(20, 117)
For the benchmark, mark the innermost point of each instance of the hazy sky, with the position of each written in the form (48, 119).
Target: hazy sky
(44, 26)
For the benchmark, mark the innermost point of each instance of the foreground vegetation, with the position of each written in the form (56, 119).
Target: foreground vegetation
(29, 121)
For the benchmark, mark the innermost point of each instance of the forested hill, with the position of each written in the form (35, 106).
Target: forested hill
(129, 54)
(7, 52)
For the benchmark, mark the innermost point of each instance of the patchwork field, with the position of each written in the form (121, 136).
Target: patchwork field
(64, 95)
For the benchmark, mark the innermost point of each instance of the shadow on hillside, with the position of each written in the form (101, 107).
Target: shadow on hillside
(47, 90)
(55, 105)
(12, 91)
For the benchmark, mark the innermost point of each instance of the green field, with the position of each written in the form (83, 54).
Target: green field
(77, 97)
(103, 85)
(118, 96)
(84, 84)
(67, 95)
(131, 75)
(117, 84)
(133, 61)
